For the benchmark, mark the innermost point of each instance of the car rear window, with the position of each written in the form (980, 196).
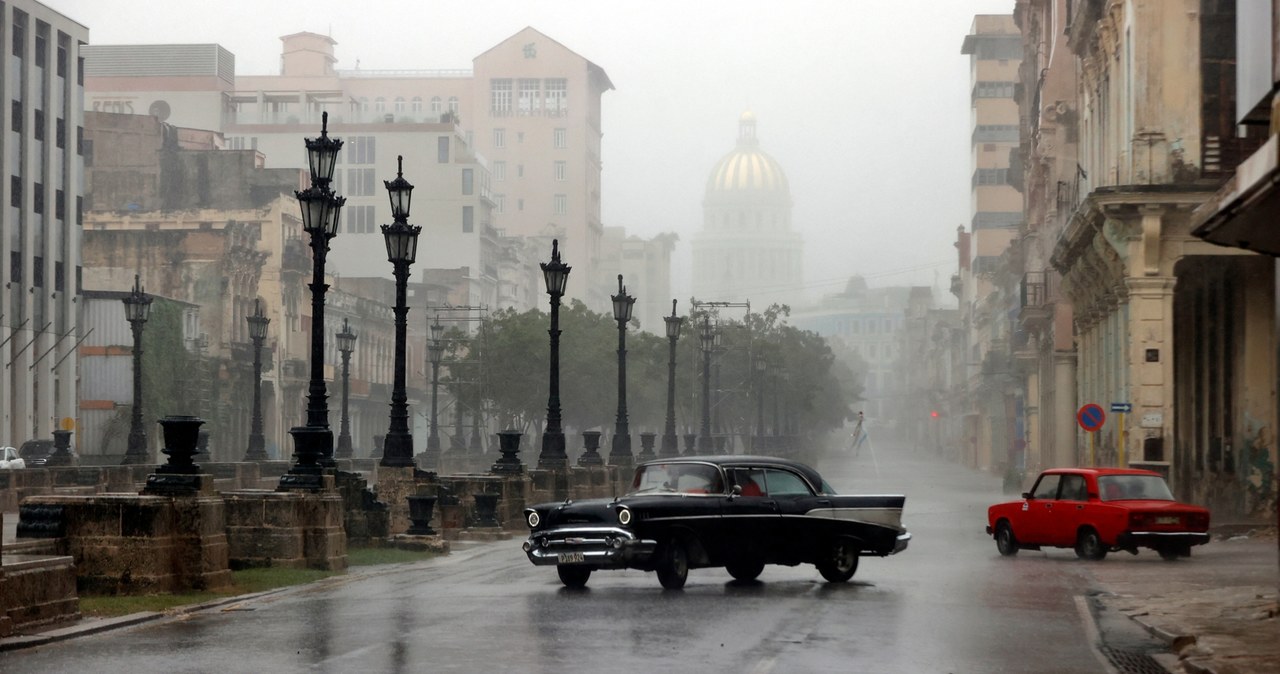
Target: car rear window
(1133, 487)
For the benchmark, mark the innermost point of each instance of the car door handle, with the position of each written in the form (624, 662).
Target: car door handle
(1079, 507)
(823, 502)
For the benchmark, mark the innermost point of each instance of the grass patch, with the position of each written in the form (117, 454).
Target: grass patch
(245, 581)
(375, 556)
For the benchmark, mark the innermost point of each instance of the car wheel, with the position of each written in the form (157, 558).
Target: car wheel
(1005, 541)
(1089, 545)
(574, 576)
(673, 565)
(839, 560)
(745, 570)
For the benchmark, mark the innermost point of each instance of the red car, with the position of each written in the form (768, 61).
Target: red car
(1096, 511)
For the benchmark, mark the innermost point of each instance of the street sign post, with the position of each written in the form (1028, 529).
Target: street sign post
(1122, 409)
(1091, 418)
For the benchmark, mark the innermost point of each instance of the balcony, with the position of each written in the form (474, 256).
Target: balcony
(241, 354)
(1036, 308)
(295, 367)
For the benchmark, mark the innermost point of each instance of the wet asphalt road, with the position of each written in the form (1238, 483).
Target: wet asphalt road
(947, 604)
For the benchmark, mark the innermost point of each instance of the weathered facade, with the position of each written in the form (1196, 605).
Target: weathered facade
(1128, 127)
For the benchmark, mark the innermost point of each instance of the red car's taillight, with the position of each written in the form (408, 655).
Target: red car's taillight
(1137, 520)
(1198, 520)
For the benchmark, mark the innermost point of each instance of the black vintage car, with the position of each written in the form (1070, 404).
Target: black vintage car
(736, 512)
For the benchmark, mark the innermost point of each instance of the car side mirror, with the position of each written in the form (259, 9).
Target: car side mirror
(1027, 495)
(735, 490)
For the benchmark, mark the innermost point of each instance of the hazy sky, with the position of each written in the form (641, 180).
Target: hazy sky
(864, 103)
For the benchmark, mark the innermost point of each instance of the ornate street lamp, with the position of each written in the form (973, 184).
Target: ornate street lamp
(435, 351)
(402, 249)
(670, 443)
(761, 366)
(321, 209)
(708, 338)
(137, 309)
(556, 275)
(346, 344)
(257, 333)
(620, 452)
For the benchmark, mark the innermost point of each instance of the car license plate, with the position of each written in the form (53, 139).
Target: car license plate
(1166, 520)
(570, 558)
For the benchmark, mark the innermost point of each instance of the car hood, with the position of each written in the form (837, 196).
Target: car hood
(600, 510)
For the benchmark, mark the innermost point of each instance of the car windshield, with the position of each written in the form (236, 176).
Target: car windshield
(683, 478)
(1133, 487)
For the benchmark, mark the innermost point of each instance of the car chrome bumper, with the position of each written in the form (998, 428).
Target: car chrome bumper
(901, 543)
(601, 547)
(1151, 539)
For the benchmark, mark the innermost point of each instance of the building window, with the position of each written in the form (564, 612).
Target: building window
(468, 219)
(42, 44)
(519, 170)
(500, 96)
(39, 125)
(562, 170)
(15, 191)
(519, 204)
(19, 41)
(468, 182)
(560, 204)
(435, 105)
(560, 138)
(530, 97)
(37, 198)
(499, 203)
(417, 105)
(62, 58)
(362, 150)
(499, 171)
(453, 105)
(499, 138)
(996, 176)
(557, 96)
(442, 150)
(60, 133)
(361, 181)
(399, 105)
(379, 104)
(360, 219)
(60, 205)
(993, 90)
(15, 116)
(59, 271)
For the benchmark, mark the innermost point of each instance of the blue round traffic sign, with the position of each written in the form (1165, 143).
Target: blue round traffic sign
(1091, 417)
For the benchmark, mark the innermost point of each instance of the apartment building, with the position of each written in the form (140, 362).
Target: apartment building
(41, 160)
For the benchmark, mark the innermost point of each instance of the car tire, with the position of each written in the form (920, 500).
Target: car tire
(839, 560)
(673, 565)
(745, 570)
(1089, 545)
(1006, 543)
(573, 576)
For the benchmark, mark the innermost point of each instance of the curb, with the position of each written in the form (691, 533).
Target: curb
(1177, 644)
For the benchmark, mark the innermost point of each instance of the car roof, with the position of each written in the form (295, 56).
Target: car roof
(731, 460)
(1099, 471)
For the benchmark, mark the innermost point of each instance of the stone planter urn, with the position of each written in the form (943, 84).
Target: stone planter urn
(591, 443)
(690, 443)
(420, 510)
(509, 462)
(646, 447)
(486, 514)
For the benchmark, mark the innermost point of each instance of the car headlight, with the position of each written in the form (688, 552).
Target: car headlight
(624, 516)
(533, 519)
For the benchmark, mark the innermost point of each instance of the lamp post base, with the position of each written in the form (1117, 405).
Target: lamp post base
(552, 456)
(310, 445)
(397, 450)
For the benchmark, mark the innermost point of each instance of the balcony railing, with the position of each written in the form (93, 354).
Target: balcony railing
(1034, 289)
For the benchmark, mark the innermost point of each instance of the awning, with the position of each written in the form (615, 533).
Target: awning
(1245, 213)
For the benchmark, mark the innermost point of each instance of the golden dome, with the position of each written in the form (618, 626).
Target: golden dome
(748, 168)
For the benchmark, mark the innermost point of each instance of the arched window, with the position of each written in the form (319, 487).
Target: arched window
(453, 104)
(399, 104)
(435, 105)
(379, 104)
(417, 105)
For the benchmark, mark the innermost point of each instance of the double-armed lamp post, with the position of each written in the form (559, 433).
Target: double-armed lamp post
(556, 275)
(346, 344)
(707, 337)
(620, 452)
(321, 209)
(258, 334)
(435, 352)
(137, 309)
(402, 250)
(670, 443)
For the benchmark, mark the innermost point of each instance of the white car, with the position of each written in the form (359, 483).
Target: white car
(9, 459)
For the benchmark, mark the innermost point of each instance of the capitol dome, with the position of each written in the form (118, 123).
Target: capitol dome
(747, 168)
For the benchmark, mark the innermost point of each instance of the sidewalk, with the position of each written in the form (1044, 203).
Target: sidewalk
(1217, 611)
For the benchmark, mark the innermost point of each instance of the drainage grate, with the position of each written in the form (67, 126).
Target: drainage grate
(1132, 662)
